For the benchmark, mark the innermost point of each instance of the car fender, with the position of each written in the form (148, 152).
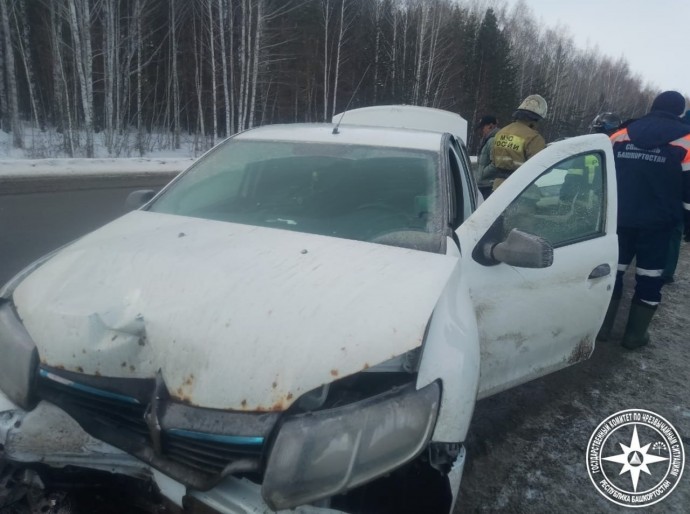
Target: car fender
(451, 354)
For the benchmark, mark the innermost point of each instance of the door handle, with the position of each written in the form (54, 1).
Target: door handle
(600, 271)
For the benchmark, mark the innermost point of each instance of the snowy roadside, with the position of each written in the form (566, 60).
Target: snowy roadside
(29, 169)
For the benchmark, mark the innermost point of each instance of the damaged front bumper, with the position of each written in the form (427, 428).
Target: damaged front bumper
(49, 436)
(132, 427)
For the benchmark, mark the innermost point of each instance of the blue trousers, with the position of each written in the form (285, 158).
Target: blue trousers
(650, 249)
(673, 252)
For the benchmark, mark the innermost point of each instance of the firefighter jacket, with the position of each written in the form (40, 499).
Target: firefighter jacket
(514, 144)
(652, 157)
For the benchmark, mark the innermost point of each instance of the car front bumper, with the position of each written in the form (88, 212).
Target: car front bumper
(49, 436)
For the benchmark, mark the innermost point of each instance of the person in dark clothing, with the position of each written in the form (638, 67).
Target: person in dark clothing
(487, 127)
(676, 237)
(652, 156)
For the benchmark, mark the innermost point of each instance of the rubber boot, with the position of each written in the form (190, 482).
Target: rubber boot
(606, 327)
(636, 334)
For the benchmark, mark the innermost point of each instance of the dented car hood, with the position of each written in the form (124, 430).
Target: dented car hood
(234, 316)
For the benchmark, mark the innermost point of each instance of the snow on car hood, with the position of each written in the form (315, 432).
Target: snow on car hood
(234, 316)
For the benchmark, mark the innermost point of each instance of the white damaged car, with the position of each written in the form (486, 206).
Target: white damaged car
(305, 318)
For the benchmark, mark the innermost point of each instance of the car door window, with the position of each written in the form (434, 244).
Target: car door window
(565, 204)
(471, 183)
(464, 204)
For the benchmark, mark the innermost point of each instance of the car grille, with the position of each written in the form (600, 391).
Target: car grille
(120, 412)
(120, 419)
(206, 456)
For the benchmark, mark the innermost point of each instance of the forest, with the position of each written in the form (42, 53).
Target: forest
(133, 76)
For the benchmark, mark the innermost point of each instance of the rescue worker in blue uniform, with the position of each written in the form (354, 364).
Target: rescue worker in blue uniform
(652, 156)
(676, 237)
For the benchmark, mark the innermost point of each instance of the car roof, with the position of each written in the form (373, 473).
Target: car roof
(347, 134)
(407, 116)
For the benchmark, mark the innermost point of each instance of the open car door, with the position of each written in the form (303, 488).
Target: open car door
(535, 320)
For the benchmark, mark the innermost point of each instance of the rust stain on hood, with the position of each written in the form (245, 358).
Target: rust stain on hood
(343, 305)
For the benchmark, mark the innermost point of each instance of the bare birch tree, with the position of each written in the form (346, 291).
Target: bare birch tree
(406, 26)
(394, 49)
(61, 97)
(432, 59)
(344, 25)
(139, 43)
(420, 51)
(198, 80)
(326, 11)
(4, 121)
(378, 14)
(80, 24)
(11, 77)
(174, 74)
(227, 91)
(110, 70)
(25, 53)
(212, 56)
(244, 63)
(256, 57)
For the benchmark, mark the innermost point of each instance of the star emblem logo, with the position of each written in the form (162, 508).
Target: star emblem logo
(635, 459)
(638, 447)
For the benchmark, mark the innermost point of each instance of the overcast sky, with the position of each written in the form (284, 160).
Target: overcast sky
(653, 35)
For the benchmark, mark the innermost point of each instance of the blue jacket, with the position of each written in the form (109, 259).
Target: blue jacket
(652, 157)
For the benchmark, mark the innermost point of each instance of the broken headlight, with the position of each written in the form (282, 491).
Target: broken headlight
(319, 454)
(18, 353)
(19, 358)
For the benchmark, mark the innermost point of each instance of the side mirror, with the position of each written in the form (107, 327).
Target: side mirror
(521, 250)
(137, 199)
